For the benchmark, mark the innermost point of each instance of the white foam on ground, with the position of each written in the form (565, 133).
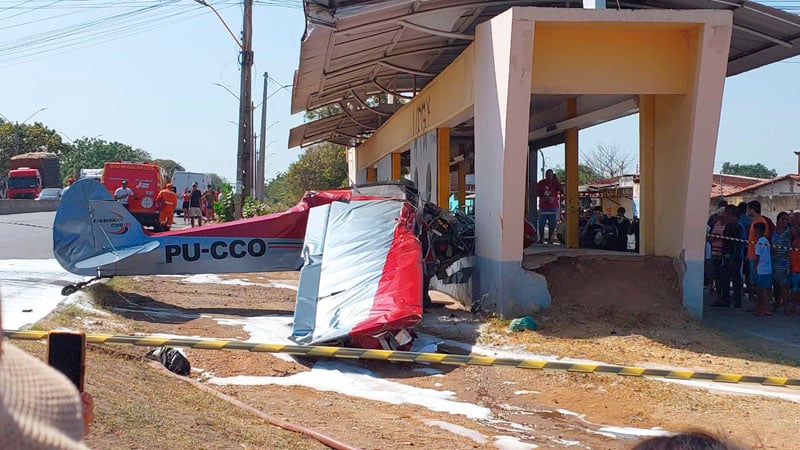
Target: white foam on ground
(525, 392)
(31, 289)
(208, 278)
(476, 436)
(634, 433)
(512, 443)
(353, 381)
(272, 329)
(742, 389)
(283, 285)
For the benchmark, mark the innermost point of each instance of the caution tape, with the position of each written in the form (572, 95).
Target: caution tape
(414, 357)
(745, 241)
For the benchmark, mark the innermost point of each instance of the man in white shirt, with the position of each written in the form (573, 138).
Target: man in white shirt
(123, 194)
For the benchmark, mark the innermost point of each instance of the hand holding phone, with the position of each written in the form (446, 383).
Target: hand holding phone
(66, 352)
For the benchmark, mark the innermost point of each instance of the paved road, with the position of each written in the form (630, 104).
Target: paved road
(27, 236)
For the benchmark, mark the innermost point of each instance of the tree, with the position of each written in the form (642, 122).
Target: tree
(323, 166)
(277, 190)
(585, 174)
(749, 170)
(608, 161)
(93, 153)
(169, 166)
(217, 181)
(16, 139)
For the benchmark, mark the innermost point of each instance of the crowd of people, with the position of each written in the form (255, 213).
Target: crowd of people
(750, 257)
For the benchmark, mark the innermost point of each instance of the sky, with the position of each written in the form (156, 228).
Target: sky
(147, 79)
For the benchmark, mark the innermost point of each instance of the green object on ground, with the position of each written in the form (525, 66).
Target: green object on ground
(522, 323)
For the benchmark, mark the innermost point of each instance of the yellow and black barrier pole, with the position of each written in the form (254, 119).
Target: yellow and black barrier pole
(414, 357)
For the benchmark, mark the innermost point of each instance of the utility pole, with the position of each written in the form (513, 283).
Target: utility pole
(260, 168)
(243, 160)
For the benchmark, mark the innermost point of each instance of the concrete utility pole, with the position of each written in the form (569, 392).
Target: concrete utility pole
(243, 160)
(262, 153)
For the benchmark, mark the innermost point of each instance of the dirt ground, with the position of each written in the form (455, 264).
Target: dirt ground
(611, 311)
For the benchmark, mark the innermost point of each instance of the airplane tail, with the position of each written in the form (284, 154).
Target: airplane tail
(92, 230)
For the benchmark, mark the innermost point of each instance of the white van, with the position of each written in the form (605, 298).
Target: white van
(183, 180)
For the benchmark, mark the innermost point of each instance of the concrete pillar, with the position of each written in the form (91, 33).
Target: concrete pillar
(571, 163)
(443, 175)
(352, 168)
(647, 129)
(462, 184)
(384, 169)
(502, 93)
(361, 176)
(396, 172)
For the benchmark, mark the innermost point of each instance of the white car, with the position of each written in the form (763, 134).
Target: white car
(49, 194)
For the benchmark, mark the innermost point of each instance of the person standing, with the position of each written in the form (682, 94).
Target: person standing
(185, 206)
(195, 206)
(166, 200)
(209, 198)
(754, 211)
(781, 270)
(762, 260)
(621, 226)
(547, 190)
(124, 194)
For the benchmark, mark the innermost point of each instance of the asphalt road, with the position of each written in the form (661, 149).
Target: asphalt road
(27, 236)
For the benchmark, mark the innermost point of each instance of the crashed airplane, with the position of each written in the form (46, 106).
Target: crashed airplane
(359, 252)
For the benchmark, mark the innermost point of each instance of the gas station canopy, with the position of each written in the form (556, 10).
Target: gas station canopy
(353, 51)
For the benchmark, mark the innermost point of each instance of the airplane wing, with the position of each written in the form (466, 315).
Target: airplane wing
(362, 274)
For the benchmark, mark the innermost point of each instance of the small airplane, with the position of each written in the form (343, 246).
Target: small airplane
(359, 257)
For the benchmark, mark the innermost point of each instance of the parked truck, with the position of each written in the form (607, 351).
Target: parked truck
(31, 172)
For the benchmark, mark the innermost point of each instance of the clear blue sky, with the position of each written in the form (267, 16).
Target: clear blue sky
(146, 80)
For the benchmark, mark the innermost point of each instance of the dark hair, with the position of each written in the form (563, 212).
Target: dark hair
(693, 440)
(598, 208)
(781, 214)
(755, 205)
(734, 211)
(759, 227)
(621, 210)
(722, 204)
(742, 208)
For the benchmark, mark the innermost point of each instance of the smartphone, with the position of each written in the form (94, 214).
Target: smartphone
(66, 352)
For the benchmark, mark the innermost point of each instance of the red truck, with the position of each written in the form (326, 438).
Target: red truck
(31, 172)
(144, 179)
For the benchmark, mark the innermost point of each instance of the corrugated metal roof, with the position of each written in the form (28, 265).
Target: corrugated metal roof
(353, 50)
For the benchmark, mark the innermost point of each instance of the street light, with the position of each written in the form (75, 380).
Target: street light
(17, 130)
(34, 113)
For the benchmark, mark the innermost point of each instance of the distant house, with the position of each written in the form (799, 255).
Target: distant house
(722, 185)
(777, 194)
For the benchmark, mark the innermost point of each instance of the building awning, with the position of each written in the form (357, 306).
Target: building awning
(356, 50)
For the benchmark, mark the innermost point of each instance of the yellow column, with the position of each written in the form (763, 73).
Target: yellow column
(647, 131)
(462, 184)
(396, 166)
(571, 162)
(372, 174)
(443, 177)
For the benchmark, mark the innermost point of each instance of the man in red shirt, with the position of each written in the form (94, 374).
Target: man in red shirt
(547, 190)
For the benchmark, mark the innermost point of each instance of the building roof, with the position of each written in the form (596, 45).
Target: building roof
(355, 49)
(763, 183)
(724, 185)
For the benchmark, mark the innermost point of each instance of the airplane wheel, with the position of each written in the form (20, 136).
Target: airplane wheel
(68, 290)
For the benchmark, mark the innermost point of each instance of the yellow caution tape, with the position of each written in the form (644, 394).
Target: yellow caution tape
(414, 357)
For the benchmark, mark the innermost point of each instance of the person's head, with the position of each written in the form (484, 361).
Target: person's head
(70, 180)
(124, 183)
(194, 185)
(741, 209)
(692, 440)
(729, 213)
(754, 208)
(782, 219)
(185, 190)
(621, 212)
(759, 229)
(549, 174)
(169, 186)
(208, 187)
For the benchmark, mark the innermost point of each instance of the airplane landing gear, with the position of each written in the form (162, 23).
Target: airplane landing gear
(75, 287)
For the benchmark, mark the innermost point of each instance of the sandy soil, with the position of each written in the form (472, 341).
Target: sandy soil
(599, 314)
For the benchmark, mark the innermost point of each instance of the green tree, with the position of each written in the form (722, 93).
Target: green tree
(585, 174)
(93, 153)
(323, 166)
(16, 139)
(169, 166)
(749, 170)
(217, 181)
